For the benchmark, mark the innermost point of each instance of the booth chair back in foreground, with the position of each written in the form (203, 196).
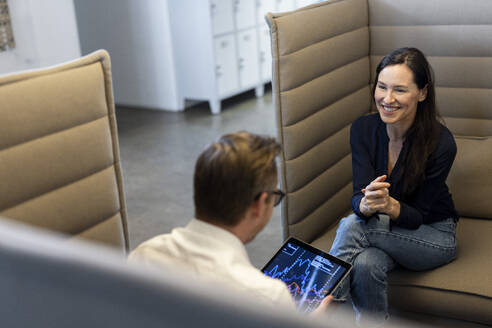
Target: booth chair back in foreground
(324, 61)
(86, 285)
(59, 158)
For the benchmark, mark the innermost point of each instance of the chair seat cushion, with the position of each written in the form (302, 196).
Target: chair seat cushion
(461, 289)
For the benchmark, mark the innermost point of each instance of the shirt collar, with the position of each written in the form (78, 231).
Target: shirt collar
(218, 234)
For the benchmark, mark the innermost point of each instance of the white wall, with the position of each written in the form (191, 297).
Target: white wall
(45, 34)
(137, 35)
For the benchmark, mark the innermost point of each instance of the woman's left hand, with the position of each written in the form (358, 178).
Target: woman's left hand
(377, 198)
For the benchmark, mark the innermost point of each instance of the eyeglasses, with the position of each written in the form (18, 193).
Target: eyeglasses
(278, 194)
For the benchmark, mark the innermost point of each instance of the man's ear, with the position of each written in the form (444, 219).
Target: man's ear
(259, 205)
(423, 93)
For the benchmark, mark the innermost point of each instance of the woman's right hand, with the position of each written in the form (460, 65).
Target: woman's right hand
(376, 197)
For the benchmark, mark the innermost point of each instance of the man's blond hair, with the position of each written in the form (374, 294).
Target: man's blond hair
(230, 173)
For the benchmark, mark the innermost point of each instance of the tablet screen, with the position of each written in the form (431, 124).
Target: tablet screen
(309, 273)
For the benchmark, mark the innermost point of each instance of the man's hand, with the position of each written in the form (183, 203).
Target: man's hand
(377, 199)
(323, 306)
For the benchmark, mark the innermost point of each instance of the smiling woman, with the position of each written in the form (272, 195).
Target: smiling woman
(404, 214)
(6, 35)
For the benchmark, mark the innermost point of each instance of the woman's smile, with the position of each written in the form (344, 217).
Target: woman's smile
(390, 109)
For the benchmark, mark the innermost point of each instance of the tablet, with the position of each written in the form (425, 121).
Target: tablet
(309, 273)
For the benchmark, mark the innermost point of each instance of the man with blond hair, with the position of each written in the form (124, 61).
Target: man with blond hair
(234, 194)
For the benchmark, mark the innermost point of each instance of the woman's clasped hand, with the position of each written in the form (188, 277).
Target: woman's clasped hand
(377, 199)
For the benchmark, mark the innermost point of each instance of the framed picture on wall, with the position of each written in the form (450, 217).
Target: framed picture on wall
(6, 35)
(18, 46)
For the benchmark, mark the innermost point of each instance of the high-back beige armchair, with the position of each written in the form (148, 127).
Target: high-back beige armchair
(324, 58)
(59, 157)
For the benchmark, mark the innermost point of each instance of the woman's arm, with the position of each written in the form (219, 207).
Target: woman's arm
(362, 139)
(418, 209)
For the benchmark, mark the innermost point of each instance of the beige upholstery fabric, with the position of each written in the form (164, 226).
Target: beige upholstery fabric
(314, 50)
(59, 157)
(82, 285)
(471, 177)
(461, 289)
(323, 56)
(457, 40)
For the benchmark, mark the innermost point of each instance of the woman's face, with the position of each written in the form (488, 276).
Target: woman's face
(396, 95)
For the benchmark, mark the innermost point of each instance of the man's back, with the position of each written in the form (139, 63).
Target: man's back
(212, 252)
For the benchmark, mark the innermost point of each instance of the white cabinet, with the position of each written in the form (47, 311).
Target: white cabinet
(220, 12)
(248, 58)
(286, 5)
(265, 55)
(304, 3)
(244, 12)
(225, 64)
(222, 47)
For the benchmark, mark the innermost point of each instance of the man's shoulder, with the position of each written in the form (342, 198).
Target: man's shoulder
(162, 245)
(226, 265)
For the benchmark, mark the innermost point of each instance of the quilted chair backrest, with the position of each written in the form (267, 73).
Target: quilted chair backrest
(320, 86)
(59, 157)
(86, 285)
(324, 59)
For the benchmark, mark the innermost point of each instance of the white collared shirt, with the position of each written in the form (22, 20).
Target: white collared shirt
(212, 252)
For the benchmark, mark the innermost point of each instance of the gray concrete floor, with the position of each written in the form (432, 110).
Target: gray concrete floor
(158, 150)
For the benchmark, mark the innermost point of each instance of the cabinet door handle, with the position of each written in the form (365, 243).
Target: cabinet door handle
(224, 44)
(218, 73)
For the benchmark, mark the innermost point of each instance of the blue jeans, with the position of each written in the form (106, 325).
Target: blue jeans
(374, 249)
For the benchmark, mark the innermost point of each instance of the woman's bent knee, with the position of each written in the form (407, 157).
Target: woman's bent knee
(350, 222)
(372, 260)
